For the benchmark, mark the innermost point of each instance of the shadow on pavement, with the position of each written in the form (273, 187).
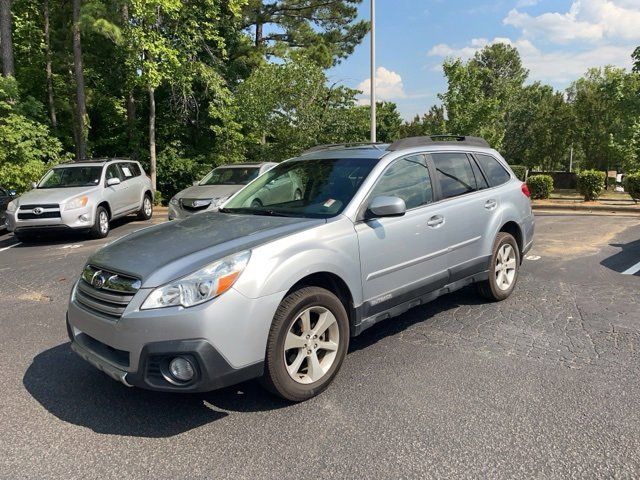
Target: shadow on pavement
(628, 256)
(75, 392)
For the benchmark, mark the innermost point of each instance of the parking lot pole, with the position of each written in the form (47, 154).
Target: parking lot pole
(373, 71)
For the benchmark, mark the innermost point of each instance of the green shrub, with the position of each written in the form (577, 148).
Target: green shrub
(591, 184)
(520, 171)
(632, 185)
(540, 186)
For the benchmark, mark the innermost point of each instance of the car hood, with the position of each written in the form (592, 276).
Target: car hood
(162, 253)
(209, 191)
(52, 195)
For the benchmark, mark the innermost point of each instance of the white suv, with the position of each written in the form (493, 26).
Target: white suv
(82, 196)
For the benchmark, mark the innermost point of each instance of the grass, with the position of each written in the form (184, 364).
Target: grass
(574, 195)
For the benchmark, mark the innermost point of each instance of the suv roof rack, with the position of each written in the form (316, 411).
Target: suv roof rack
(329, 146)
(428, 140)
(100, 160)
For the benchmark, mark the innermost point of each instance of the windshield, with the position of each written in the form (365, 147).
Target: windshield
(230, 176)
(304, 188)
(64, 177)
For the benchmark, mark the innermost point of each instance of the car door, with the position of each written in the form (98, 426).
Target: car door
(132, 192)
(115, 194)
(467, 206)
(402, 257)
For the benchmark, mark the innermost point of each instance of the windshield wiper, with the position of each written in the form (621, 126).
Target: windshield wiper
(255, 211)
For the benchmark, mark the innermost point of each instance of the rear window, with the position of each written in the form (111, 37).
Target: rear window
(454, 174)
(496, 173)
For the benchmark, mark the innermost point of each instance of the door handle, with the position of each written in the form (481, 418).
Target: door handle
(435, 221)
(490, 204)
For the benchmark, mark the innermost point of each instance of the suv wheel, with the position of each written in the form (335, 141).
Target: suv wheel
(504, 268)
(100, 228)
(146, 210)
(307, 343)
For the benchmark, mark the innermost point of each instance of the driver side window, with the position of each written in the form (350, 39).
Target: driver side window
(408, 179)
(113, 172)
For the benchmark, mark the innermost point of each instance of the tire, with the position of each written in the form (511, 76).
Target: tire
(146, 209)
(297, 195)
(503, 270)
(256, 203)
(100, 229)
(308, 378)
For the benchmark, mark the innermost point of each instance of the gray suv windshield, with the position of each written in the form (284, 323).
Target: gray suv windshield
(307, 188)
(230, 176)
(66, 177)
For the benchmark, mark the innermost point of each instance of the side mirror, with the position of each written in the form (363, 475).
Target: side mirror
(113, 181)
(34, 185)
(196, 183)
(384, 206)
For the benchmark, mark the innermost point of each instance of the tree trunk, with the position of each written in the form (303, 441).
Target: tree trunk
(6, 42)
(47, 42)
(258, 39)
(152, 137)
(131, 101)
(81, 105)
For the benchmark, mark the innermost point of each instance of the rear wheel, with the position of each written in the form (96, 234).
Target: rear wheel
(146, 209)
(307, 343)
(256, 203)
(100, 228)
(504, 268)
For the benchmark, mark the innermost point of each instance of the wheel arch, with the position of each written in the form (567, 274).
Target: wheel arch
(511, 227)
(107, 207)
(335, 284)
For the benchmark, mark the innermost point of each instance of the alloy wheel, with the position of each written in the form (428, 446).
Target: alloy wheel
(505, 270)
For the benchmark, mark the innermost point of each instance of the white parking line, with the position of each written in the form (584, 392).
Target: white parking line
(632, 270)
(10, 246)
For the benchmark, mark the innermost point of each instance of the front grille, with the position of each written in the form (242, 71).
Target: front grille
(41, 205)
(33, 216)
(194, 205)
(105, 293)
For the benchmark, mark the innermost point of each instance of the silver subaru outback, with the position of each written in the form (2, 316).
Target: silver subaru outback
(276, 290)
(82, 196)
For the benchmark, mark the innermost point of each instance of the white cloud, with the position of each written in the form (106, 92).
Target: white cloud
(389, 85)
(558, 67)
(590, 20)
(526, 3)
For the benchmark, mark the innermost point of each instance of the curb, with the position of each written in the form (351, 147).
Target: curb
(588, 208)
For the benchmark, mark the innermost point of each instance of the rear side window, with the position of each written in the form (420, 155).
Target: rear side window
(455, 174)
(126, 170)
(134, 168)
(408, 179)
(496, 173)
(481, 182)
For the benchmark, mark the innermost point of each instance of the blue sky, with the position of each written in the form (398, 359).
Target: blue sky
(558, 41)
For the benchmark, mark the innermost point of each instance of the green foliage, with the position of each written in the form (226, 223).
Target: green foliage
(632, 185)
(27, 148)
(591, 184)
(520, 171)
(540, 186)
(177, 171)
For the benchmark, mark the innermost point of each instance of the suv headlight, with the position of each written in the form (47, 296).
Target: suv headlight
(77, 202)
(201, 286)
(174, 201)
(12, 206)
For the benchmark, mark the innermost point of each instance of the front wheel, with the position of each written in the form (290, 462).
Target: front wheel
(100, 228)
(504, 269)
(307, 344)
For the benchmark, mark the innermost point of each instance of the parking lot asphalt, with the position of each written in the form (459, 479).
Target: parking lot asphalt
(545, 384)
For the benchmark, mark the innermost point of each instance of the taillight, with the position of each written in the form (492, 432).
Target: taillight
(525, 190)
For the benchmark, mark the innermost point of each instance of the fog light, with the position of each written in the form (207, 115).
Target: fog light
(181, 369)
(84, 218)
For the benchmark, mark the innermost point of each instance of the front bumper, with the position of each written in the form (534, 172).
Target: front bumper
(225, 347)
(77, 219)
(176, 212)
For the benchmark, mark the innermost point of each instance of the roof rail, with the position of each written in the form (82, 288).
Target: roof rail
(427, 140)
(101, 160)
(329, 146)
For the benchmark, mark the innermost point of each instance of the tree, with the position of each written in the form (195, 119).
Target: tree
(433, 122)
(635, 56)
(6, 40)
(323, 31)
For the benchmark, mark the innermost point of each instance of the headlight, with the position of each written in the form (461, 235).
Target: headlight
(77, 202)
(218, 201)
(174, 201)
(205, 284)
(12, 206)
